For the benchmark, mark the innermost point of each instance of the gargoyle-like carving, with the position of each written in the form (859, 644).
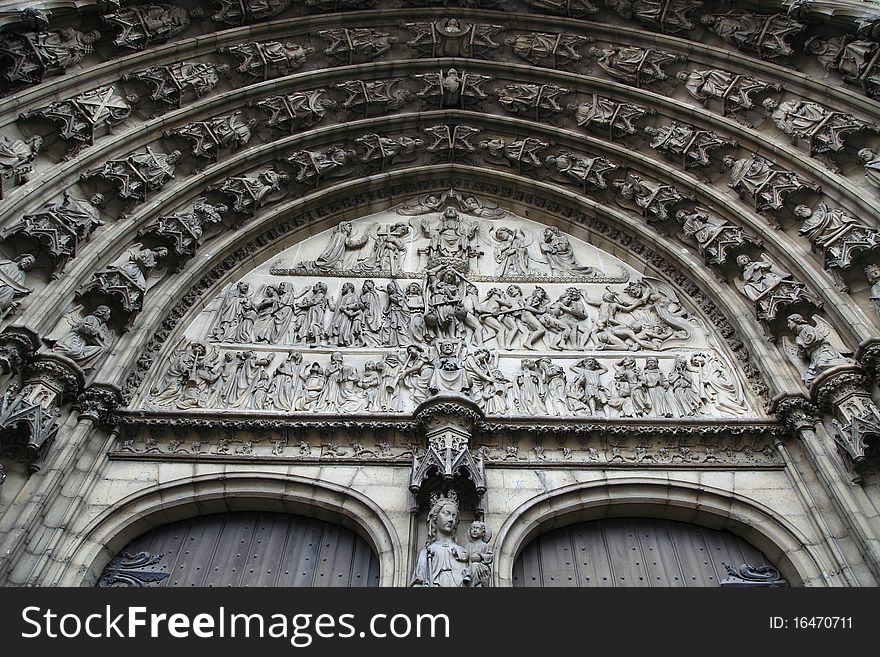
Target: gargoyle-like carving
(640, 67)
(316, 166)
(539, 100)
(736, 92)
(16, 156)
(172, 85)
(292, 112)
(81, 118)
(669, 16)
(715, 237)
(588, 172)
(570, 8)
(765, 183)
(855, 59)
(347, 43)
(381, 95)
(823, 130)
(249, 193)
(607, 116)
(558, 51)
(691, 146)
(137, 174)
(819, 346)
(523, 154)
(31, 56)
(209, 138)
(59, 228)
(265, 60)
(12, 282)
(770, 289)
(655, 201)
(451, 142)
(140, 569)
(241, 12)
(382, 151)
(766, 35)
(838, 235)
(452, 37)
(451, 88)
(144, 25)
(747, 575)
(183, 232)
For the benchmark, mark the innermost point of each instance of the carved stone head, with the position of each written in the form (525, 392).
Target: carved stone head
(443, 516)
(102, 313)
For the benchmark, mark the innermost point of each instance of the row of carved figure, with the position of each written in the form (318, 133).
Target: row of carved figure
(644, 316)
(697, 384)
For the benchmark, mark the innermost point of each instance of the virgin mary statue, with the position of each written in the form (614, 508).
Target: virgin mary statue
(442, 562)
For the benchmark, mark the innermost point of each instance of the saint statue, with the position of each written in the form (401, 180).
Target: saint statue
(442, 562)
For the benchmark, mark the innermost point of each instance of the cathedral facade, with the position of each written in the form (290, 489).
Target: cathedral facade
(460, 294)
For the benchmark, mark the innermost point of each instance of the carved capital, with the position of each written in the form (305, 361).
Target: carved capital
(795, 411)
(17, 347)
(837, 384)
(97, 402)
(443, 411)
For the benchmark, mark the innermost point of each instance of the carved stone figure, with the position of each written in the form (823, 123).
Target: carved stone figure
(16, 156)
(185, 382)
(208, 138)
(814, 345)
(840, 236)
(265, 60)
(451, 142)
(872, 272)
(556, 248)
(715, 237)
(588, 172)
(453, 37)
(539, 100)
(669, 16)
(450, 241)
(292, 112)
(546, 49)
(872, 165)
(332, 257)
(316, 166)
(287, 383)
(758, 277)
(690, 146)
(631, 396)
(59, 228)
(512, 252)
(137, 174)
(173, 84)
(375, 95)
(311, 311)
(523, 154)
(81, 118)
(609, 117)
(231, 301)
(249, 193)
(763, 34)
(855, 59)
(145, 25)
(587, 391)
(570, 8)
(767, 184)
(684, 391)
(452, 89)
(184, 231)
(736, 92)
(31, 56)
(12, 282)
(822, 129)
(36, 18)
(657, 386)
(240, 12)
(382, 151)
(655, 201)
(239, 389)
(126, 279)
(87, 339)
(639, 67)
(481, 556)
(442, 562)
(346, 43)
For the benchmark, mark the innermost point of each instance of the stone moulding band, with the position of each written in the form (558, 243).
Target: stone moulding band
(402, 275)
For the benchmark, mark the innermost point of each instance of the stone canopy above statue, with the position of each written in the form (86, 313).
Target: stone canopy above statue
(450, 294)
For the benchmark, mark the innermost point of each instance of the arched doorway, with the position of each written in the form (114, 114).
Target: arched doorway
(245, 549)
(632, 552)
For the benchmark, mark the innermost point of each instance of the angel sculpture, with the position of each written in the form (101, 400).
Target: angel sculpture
(85, 337)
(819, 345)
(512, 252)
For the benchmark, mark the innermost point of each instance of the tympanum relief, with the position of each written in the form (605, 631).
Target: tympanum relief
(449, 294)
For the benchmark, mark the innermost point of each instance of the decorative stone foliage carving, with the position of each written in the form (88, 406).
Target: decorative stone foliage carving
(768, 36)
(265, 60)
(346, 44)
(669, 16)
(453, 37)
(691, 146)
(82, 118)
(295, 111)
(640, 67)
(452, 89)
(538, 100)
(221, 133)
(240, 12)
(17, 347)
(16, 156)
(736, 92)
(609, 117)
(172, 85)
(136, 175)
(765, 183)
(143, 25)
(32, 56)
(248, 193)
(746, 575)
(375, 95)
(558, 51)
